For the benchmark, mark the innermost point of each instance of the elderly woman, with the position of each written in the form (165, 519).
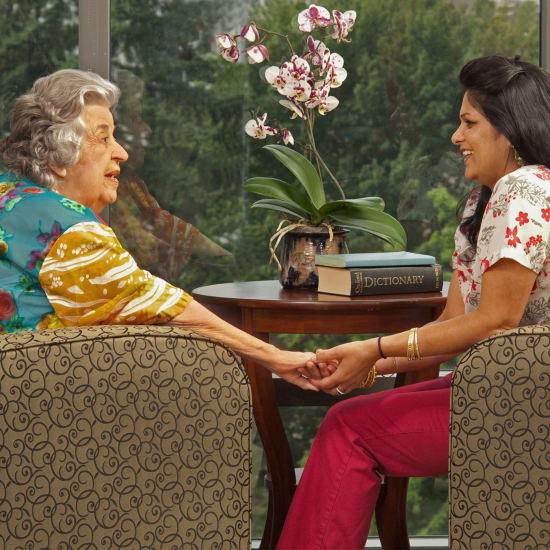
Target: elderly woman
(500, 281)
(61, 264)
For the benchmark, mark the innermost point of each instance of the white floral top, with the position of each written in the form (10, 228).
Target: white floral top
(515, 225)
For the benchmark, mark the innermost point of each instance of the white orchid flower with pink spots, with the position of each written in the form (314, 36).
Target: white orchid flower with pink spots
(296, 109)
(250, 32)
(336, 76)
(228, 47)
(225, 41)
(314, 16)
(299, 90)
(343, 23)
(286, 136)
(319, 93)
(231, 54)
(328, 105)
(318, 53)
(258, 129)
(257, 54)
(274, 75)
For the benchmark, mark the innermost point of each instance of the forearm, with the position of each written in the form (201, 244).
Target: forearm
(445, 339)
(199, 319)
(392, 365)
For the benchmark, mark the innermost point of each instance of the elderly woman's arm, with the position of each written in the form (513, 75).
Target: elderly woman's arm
(283, 363)
(90, 279)
(505, 290)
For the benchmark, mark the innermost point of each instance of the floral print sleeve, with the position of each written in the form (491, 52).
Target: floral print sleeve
(516, 223)
(90, 279)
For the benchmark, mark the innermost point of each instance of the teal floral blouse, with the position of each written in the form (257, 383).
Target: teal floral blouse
(31, 219)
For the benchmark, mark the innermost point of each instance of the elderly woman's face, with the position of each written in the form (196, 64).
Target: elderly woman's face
(92, 181)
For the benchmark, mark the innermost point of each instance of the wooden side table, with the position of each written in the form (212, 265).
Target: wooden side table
(264, 307)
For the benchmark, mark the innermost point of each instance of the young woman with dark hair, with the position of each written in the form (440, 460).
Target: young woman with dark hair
(502, 243)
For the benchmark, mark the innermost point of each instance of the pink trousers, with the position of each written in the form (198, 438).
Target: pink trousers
(402, 433)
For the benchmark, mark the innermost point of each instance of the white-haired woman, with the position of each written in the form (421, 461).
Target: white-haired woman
(61, 265)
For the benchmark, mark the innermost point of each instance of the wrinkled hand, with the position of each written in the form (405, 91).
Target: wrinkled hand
(291, 366)
(354, 361)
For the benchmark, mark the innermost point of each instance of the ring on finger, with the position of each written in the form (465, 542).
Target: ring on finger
(339, 391)
(304, 376)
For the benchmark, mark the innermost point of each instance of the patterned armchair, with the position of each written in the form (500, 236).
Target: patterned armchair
(500, 444)
(123, 437)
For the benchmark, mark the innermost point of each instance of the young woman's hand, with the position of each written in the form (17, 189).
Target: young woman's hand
(353, 362)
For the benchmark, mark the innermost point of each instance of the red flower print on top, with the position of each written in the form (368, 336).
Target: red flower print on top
(461, 275)
(522, 218)
(545, 214)
(543, 173)
(512, 236)
(484, 265)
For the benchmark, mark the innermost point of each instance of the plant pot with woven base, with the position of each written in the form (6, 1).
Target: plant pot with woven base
(300, 245)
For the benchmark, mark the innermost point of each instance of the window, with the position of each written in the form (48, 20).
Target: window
(182, 115)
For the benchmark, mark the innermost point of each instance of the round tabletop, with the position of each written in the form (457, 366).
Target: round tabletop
(262, 294)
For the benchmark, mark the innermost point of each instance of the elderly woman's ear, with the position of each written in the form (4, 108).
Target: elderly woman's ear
(59, 171)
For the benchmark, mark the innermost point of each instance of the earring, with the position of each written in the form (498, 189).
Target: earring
(518, 158)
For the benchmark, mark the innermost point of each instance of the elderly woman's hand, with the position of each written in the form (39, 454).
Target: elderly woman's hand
(291, 366)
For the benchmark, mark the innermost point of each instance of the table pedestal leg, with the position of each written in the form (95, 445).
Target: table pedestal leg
(391, 514)
(391, 508)
(277, 450)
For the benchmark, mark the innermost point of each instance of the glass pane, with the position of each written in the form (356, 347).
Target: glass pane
(36, 38)
(183, 111)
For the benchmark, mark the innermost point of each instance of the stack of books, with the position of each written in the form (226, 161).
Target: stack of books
(378, 273)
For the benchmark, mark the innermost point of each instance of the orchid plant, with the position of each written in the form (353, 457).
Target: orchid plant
(305, 81)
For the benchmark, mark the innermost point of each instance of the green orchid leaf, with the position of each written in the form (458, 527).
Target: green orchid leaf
(304, 171)
(280, 206)
(372, 221)
(373, 202)
(278, 189)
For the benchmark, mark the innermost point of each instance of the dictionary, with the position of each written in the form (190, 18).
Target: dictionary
(367, 281)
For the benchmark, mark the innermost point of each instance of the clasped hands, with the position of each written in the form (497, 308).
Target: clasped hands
(343, 368)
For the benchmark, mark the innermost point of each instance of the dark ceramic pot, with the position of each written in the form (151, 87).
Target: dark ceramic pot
(298, 254)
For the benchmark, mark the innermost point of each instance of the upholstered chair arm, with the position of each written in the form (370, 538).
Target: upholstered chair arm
(499, 452)
(123, 437)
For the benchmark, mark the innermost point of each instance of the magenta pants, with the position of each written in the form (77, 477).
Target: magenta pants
(402, 432)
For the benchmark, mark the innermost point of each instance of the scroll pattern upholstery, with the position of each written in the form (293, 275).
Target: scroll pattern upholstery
(122, 437)
(499, 454)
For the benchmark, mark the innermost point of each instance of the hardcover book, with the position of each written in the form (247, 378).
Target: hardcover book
(374, 259)
(368, 281)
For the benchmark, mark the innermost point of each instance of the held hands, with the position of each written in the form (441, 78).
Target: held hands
(290, 365)
(354, 360)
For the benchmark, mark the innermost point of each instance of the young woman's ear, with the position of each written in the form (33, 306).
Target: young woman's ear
(59, 171)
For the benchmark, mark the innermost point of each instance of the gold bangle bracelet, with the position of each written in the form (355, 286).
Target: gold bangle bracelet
(412, 345)
(395, 363)
(369, 380)
(417, 352)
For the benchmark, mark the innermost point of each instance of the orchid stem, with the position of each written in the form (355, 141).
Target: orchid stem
(285, 36)
(318, 158)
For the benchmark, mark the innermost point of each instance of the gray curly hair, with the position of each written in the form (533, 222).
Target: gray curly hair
(46, 124)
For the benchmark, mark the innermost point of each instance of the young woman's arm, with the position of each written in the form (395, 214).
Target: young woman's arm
(505, 290)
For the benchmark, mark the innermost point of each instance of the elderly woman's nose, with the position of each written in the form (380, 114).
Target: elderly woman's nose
(120, 153)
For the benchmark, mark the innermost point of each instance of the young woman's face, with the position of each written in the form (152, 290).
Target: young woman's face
(488, 155)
